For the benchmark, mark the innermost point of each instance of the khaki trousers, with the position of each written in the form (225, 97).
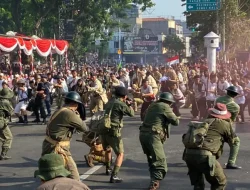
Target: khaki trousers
(96, 104)
(6, 137)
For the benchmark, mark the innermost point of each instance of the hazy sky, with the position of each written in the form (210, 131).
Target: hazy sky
(166, 8)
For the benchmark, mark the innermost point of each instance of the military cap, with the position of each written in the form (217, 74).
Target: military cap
(121, 91)
(51, 166)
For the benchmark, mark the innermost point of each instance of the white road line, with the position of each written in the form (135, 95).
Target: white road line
(90, 172)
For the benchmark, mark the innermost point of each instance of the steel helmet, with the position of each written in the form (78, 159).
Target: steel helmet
(233, 89)
(74, 96)
(167, 96)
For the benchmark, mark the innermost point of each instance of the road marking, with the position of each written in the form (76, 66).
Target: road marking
(90, 172)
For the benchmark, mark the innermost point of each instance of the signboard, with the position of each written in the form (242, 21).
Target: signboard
(119, 52)
(203, 5)
(140, 45)
(202, 1)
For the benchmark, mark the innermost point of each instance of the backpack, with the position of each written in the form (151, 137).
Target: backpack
(197, 131)
(101, 122)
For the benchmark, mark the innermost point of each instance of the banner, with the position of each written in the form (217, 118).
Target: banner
(140, 45)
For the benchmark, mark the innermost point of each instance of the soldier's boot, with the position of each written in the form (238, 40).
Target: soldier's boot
(3, 155)
(89, 160)
(100, 159)
(20, 119)
(154, 185)
(25, 118)
(115, 179)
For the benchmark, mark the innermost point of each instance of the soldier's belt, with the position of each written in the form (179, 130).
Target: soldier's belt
(199, 152)
(59, 147)
(54, 142)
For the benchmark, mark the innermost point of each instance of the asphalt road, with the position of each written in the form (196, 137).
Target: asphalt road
(17, 173)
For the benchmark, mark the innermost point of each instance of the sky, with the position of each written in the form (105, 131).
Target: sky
(166, 8)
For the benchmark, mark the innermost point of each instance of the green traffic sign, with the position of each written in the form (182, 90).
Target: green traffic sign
(203, 1)
(203, 7)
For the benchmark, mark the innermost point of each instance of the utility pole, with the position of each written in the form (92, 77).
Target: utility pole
(119, 36)
(224, 29)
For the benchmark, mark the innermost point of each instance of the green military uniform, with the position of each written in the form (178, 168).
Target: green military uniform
(6, 111)
(152, 135)
(203, 161)
(59, 132)
(234, 109)
(113, 137)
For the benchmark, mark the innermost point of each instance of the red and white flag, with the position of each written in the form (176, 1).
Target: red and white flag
(173, 60)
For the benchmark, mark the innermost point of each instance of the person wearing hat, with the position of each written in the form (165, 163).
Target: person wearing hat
(234, 109)
(60, 128)
(54, 175)
(118, 107)
(153, 133)
(99, 97)
(22, 95)
(6, 111)
(202, 161)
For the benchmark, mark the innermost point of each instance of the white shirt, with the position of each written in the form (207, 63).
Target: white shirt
(241, 99)
(72, 81)
(180, 77)
(198, 93)
(211, 95)
(22, 94)
(223, 86)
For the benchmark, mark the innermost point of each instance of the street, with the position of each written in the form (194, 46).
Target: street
(18, 172)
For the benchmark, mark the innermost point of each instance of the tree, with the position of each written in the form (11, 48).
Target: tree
(174, 45)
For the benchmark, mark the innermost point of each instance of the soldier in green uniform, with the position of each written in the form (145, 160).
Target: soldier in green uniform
(6, 111)
(118, 107)
(153, 133)
(60, 128)
(234, 109)
(202, 160)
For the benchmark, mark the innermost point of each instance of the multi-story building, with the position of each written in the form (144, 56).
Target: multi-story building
(160, 25)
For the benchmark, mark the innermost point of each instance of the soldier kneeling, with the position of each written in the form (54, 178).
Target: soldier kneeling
(204, 145)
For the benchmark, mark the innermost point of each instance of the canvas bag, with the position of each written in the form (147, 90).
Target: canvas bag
(197, 131)
(101, 121)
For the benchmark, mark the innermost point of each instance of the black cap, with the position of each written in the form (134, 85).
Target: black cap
(121, 91)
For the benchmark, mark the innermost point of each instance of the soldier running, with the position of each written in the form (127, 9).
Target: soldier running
(234, 109)
(153, 133)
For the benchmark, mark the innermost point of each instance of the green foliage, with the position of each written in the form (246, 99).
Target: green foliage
(92, 18)
(174, 44)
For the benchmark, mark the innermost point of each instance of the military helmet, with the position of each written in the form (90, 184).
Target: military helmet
(233, 89)
(6, 93)
(74, 96)
(167, 96)
(120, 91)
